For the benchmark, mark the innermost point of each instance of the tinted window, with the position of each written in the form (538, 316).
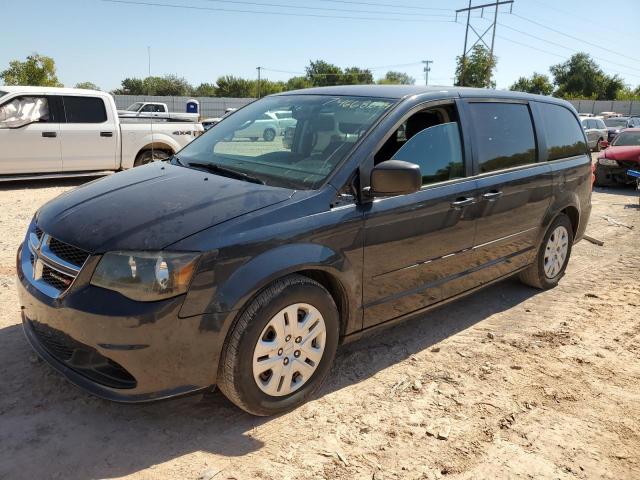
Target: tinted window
(627, 139)
(84, 110)
(616, 122)
(563, 134)
(503, 135)
(438, 152)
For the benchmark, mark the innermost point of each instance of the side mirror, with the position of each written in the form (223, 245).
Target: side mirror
(395, 177)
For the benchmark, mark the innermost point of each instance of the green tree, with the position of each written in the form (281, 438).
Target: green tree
(322, 74)
(356, 76)
(298, 83)
(230, 86)
(582, 77)
(397, 78)
(37, 70)
(130, 86)
(267, 87)
(205, 90)
(476, 70)
(87, 86)
(538, 84)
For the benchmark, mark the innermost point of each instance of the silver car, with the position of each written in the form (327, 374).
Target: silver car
(596, 132)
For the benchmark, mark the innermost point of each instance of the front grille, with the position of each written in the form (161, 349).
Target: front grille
(56, 279)
(82, 358)
(69, 253)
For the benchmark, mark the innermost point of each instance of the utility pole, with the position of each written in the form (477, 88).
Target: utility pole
(427, 69)
(259, 69)
(480, 36)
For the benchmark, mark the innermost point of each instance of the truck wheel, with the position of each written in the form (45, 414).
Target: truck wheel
(598, 147)
(553, 256)
(269, 135)
(146, 156)
(281, 347)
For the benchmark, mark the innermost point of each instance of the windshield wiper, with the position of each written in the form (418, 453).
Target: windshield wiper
(174, 158)
(225, 171)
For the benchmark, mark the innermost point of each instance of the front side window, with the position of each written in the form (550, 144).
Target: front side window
(438, 152)
(627, 139)
(22, 111)
(134, 107)
(563, 134)
(324, 132)
(503, 135)
(84, 109)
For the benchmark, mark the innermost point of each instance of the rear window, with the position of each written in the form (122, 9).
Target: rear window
(503, 135)
(84, 109)
(563, 134)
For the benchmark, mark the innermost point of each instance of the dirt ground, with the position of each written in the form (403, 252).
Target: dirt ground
(508, 383)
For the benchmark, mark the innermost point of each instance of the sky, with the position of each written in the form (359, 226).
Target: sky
(106, 41)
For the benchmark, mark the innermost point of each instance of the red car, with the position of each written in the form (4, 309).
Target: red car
(623, 154)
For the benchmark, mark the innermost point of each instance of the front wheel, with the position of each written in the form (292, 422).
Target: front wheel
(269, 135)
(553, 256)
(148, 156)
(281, 348)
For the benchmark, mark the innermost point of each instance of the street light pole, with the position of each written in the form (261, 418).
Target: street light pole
(259, 69)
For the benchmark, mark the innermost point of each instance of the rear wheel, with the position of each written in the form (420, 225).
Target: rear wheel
(598, 147)
(148, 156)
(553, 255)
(281, 348)
(269, 135)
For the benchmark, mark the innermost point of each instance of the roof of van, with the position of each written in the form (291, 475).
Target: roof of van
(50, 90)
(402, 91)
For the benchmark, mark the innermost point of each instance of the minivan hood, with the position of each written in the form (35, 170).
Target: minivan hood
(150, 207)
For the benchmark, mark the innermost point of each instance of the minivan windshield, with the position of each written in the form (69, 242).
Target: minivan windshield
(298, 148)
(627, 139)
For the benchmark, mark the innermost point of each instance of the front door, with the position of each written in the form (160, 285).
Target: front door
(29, 136)
(418, 246)
(89, 137)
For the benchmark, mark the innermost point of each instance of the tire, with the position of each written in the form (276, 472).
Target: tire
(536, 275)
(146, 156)
(269, 135)
(597, 148)
(242, 377)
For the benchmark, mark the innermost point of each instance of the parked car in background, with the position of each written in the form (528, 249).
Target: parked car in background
(616, 124)
(596, 132)
(155, 109)
(609, 114)
(285, 120)
(266, 127)
(622, 155)
(207, 123)
(245, 267)
(72, 132)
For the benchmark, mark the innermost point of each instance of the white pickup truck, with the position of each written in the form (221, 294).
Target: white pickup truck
(46, 132)
(155, 109)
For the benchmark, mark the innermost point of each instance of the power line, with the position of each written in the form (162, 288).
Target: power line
(575, 38)
(371, 4)
(261, 4)
(262, 12)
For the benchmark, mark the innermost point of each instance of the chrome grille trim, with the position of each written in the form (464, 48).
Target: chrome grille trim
(37, 254)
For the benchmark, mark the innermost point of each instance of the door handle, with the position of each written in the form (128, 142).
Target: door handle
(492, 195)
(106, 134)
(49, 134)
(462, 202)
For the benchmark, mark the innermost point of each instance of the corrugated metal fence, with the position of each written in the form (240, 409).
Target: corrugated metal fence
(215, 106)
(209, 106)
(626, 107)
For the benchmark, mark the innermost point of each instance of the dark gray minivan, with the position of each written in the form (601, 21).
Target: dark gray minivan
(245, 263)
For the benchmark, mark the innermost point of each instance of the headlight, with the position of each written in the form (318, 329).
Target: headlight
(608, 162)
(145, 276)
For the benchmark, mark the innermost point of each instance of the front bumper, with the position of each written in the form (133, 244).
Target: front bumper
(119, 349)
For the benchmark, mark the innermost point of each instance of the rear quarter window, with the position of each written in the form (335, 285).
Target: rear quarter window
(84, 109)
(563, 133)
(503, 135)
